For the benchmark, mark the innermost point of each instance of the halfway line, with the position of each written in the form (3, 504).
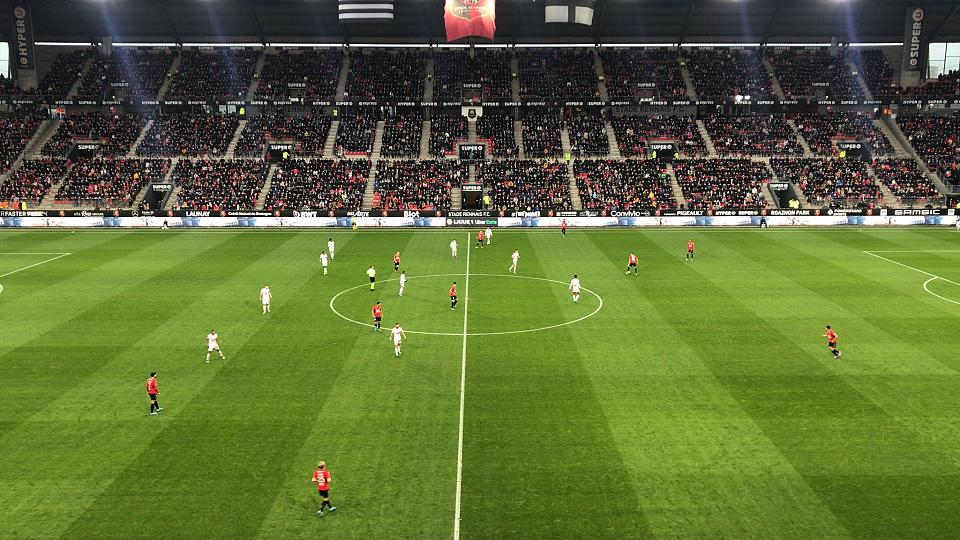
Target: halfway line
(463, 383)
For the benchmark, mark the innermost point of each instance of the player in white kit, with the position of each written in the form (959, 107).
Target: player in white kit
(516, 258)
(398, 336)
(489, 234)
(265, 297)
(403, 281)
(213, 344)
(575, 288)
(324, 261)
(453, 248)
(330, 248)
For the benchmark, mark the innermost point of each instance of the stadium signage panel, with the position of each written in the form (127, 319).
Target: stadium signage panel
(661, 146)
(779, 186)
(913, 39)
(23, 34)
(472, 85)
(296, 85)
(471, 188)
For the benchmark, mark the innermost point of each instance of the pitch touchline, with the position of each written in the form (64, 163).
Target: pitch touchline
(463, 385)
(933, 277)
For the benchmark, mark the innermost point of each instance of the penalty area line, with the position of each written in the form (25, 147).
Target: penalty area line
(933, 277)
(32, 265)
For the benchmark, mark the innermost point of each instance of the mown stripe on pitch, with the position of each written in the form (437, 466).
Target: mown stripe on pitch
(539, 455)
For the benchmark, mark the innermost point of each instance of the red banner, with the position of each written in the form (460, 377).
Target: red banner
(465, 18)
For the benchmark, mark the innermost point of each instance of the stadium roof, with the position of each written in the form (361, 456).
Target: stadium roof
(518, 21)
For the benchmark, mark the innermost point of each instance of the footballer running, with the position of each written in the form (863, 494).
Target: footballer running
(396, 261)
(403, 281)
(832, 342)
(321, 477)
(632, 263)
(515, 258)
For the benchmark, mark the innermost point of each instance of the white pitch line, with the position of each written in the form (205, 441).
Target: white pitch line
(463, 384)
(933, 277)
(915, 251)
(927, 282)
(35, 264)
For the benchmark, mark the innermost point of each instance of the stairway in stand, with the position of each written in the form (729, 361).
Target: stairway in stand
(370, 189)
(255, 82)
(807, 153)
(425, 140)
(518, 137)
(330, 145)
(50, 201)
(612, 141)
(262, 197)
(675, 186)
(232, 147)
(889, 199)
(708, 142)
(143, 133)
(456, 198)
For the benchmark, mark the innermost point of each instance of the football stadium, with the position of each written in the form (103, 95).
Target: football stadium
(479, 269)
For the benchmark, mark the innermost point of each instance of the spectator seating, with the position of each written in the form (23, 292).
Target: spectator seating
(223, 73)
(906, 180)
(541, 134)
(588, 135)
(185, 134)
(319, 184)
(719, 73)
(632, 184)
(401, 134)
(382, 74)
(557, 73)
(16, 130)
(753, 135)
(33, 179)
(935, 138)
(807, 73)
(497, 128)
(628, 72)
(218, 184)
(635, 132)
(63, 73)
(446, 130)
(821, 130)
(356, 132)
(310, 73)
(829, 182)
(453, 68)
(116, 133)
(416, 185)
(526, 184)
(106, 182)
(946, 86)
(709, 184)
(308, 132)
(876, 72)
(127, 73)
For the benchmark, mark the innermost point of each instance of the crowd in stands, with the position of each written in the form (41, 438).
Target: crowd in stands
(217, 184)
(184, 134)
(498, 128)
(829, 182)
(526, 184)
(128, 72)
(402, 133)
(876, 72)
(935, 138)
(16, 130)
(753, 135)
(221, 73)
(635, 132)
(655, 72)
(488, 67)
(417, 185)
(445, 131)
(115, 132)
(381, 74)
(32, 180)
(588, 135)
(541, 134)
(821, 130)
(308, 132)
(946, 86)
(356, 132)
(63, 73)
(721, 183)
(807, 73)
(308, 73)
(106, 182)
(729, 72)
(557, 73)
(320, 184)
(905, 179)
(618, 185)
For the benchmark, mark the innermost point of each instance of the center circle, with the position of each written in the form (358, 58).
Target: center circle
(585, 291)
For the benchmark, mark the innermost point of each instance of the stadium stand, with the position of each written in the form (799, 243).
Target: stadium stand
(721, 183)
(223, 73)
(110, 182)
(218, 184)
(32, 180)
(588, 134)
(116, 133)
(319, 184)
(728, 72)
(946, 86)
(630, 73)
(632, 184)
(635, 132)
(487, 67)
(541, 134)
(128, 72)
(185, 134)
(308, 132)
(807, 72)
(16, 130)
(752, 135)
(497, 129)
(822, 130)
(906, 180)
(527, 184)
(829, 182)
(381, 74)
(416, 185)
(935, 139)
(876, 72)
(557, 73)
(446, 130)
(310, 73)
(356, 132)
(63, 73)
(401, 134)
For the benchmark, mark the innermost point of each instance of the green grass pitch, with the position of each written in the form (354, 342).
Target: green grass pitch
(699, 401)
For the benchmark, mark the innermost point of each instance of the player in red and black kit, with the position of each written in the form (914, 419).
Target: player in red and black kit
(377, 315)
(321, 477)
(563, 227)
(396, 261)
(152, 391)
(832, 342)
(453, 295)
(632, 263)
(690, 246)
(480, 237)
